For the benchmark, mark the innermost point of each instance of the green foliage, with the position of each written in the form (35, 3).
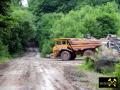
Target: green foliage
(49, 6)
(4, 7)
(16, 28)
(22, 32)
(88, 20)
(3, 50)
(44, 26)
(4, 55)
(46, 48)
(25, 24)
(16, 2)
(81, 3)
(88, 65)
(66, 25)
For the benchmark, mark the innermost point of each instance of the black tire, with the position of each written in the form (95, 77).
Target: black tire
(66, 55)
(88, 53)
(73, 56)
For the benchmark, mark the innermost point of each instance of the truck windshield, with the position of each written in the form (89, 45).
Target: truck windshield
(58, 43)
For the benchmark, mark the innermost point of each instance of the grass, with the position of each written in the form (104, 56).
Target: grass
(4, 60)
(88, 65)
(7, 57)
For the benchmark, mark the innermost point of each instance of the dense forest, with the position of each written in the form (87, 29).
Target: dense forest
(44, 20)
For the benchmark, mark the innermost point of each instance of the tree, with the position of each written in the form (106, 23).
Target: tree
(22, 32)
(16, 26)
(44, 27)
(49, 6)
(88, 20)
(4, 26)
(17, 2)
(81, 3)
(4, 7)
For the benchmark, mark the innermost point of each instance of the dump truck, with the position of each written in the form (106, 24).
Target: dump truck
(68, 48)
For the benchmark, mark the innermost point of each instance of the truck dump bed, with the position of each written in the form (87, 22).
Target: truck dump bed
(84, 43)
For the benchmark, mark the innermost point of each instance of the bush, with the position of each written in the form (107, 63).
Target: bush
(4, 54)
(89, 63)
(44, 26)
(46, 48)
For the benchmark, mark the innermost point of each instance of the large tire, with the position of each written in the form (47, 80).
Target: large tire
(66, 55)
(88, 53)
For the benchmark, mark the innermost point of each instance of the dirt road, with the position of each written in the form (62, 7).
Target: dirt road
(31, 72)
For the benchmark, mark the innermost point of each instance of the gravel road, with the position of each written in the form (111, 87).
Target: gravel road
(31, 72)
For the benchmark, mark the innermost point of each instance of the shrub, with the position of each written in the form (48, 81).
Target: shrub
(89, 63)
(44, 26)
(3, 51)
(46, 48)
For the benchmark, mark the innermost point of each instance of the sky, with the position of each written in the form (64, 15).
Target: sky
(25, 3)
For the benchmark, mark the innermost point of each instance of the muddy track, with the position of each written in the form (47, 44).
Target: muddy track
(31, 72)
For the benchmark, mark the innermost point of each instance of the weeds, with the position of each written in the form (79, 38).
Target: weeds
(88, 65)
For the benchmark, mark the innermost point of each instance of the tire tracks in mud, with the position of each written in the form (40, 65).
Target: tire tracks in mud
(31, 72)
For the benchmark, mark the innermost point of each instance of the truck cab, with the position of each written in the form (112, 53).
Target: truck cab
(61, 45)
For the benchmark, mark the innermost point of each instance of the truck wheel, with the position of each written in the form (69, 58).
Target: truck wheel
(73, 56)
(88, 53)
(65, 55)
